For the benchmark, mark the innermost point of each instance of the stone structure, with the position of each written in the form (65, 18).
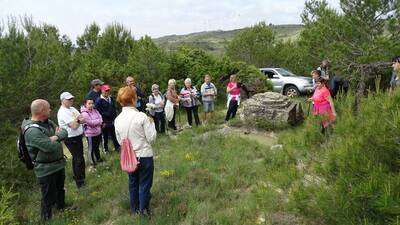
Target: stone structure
(272, 107)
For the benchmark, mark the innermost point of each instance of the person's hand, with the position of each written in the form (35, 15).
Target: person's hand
(81, 119)
(162, 104)
(103, 125)
(54, 138)
(309, 100)
(334, 114)
(58, 130)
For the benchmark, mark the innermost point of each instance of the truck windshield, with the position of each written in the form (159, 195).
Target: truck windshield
(285, 73)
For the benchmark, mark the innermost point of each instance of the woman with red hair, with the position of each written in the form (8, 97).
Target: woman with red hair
(141, 131)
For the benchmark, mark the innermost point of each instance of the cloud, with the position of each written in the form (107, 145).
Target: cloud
(156, 17)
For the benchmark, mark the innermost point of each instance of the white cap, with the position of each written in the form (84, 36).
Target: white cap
(66, 95)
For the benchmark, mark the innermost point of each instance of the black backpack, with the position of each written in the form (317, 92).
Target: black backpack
(23, 153)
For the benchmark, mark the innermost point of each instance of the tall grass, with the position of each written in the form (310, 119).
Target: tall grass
(203, 176)
(352, 176)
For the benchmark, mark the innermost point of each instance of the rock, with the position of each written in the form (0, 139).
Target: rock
(271, 107)
(276, 147)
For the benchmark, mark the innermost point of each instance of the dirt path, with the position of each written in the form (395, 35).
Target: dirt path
(266, 138)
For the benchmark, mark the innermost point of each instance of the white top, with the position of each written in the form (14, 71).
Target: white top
(157, 102)
(142, 131)
(66, 116)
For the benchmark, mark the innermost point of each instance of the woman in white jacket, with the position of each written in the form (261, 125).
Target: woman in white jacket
(140, 130)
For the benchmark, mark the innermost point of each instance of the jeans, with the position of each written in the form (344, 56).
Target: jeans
(109, 131)
(159, 120)
(140, 183)
(208, 106)
(171, 124)
(189, 111)
(75, 146)
(93, 149)
(231, 113)
(53, 193)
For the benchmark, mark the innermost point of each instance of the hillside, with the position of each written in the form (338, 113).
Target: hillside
(215, 41)
(228, 176)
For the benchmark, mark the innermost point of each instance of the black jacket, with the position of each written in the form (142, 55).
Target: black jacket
(94, 95)
(107, 110)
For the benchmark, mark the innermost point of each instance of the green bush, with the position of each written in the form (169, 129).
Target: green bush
(355, 171)
(7, 212)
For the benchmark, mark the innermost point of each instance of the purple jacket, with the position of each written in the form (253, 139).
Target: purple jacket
(92, 127)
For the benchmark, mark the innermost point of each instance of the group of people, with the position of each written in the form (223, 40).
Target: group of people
(326, 87)
(98, 121)
(140, 121)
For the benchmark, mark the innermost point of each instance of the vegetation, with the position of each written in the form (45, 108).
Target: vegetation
(203, 175)
(215, 42)
(359, 34)
(350, 177)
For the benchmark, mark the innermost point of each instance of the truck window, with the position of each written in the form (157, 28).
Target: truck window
(269, 74)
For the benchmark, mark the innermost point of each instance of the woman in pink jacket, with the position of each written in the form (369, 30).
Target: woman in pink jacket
(92, 129)
(323, 104)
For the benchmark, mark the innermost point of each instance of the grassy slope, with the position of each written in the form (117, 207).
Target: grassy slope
(205, 177)
(215, 41)
(201, 177)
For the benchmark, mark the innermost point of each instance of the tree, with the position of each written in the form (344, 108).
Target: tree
(148, 63)
(351, 39)
(254, 45)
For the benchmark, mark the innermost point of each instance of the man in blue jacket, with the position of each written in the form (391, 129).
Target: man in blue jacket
(106, 106)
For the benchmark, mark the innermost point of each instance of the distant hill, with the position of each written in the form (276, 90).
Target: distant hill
(215, 41)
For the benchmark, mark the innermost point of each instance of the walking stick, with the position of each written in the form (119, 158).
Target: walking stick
(179, 117)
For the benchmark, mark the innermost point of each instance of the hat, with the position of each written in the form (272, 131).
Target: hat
(105, 87)
(96, 82)
(66, 95)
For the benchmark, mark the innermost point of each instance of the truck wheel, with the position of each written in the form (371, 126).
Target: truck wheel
(291, 91)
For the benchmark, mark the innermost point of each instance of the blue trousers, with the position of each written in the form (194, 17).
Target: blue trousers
(140, 183)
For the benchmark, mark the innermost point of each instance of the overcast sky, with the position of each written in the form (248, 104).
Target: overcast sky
(156, 17)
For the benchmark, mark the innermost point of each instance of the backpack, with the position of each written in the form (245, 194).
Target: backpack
(23, 153)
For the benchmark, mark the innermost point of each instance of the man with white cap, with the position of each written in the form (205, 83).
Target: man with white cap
(95, 90)
(70, 119)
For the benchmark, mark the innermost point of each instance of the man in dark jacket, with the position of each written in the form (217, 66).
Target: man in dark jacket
(106, 106)
(95, 90)
(43, 140)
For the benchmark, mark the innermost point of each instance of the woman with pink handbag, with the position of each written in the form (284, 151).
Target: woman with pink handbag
(135, 131)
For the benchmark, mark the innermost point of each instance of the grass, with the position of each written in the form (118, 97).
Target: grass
(350, 176)
(203, 176)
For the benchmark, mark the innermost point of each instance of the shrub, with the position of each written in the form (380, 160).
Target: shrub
(356, 167)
